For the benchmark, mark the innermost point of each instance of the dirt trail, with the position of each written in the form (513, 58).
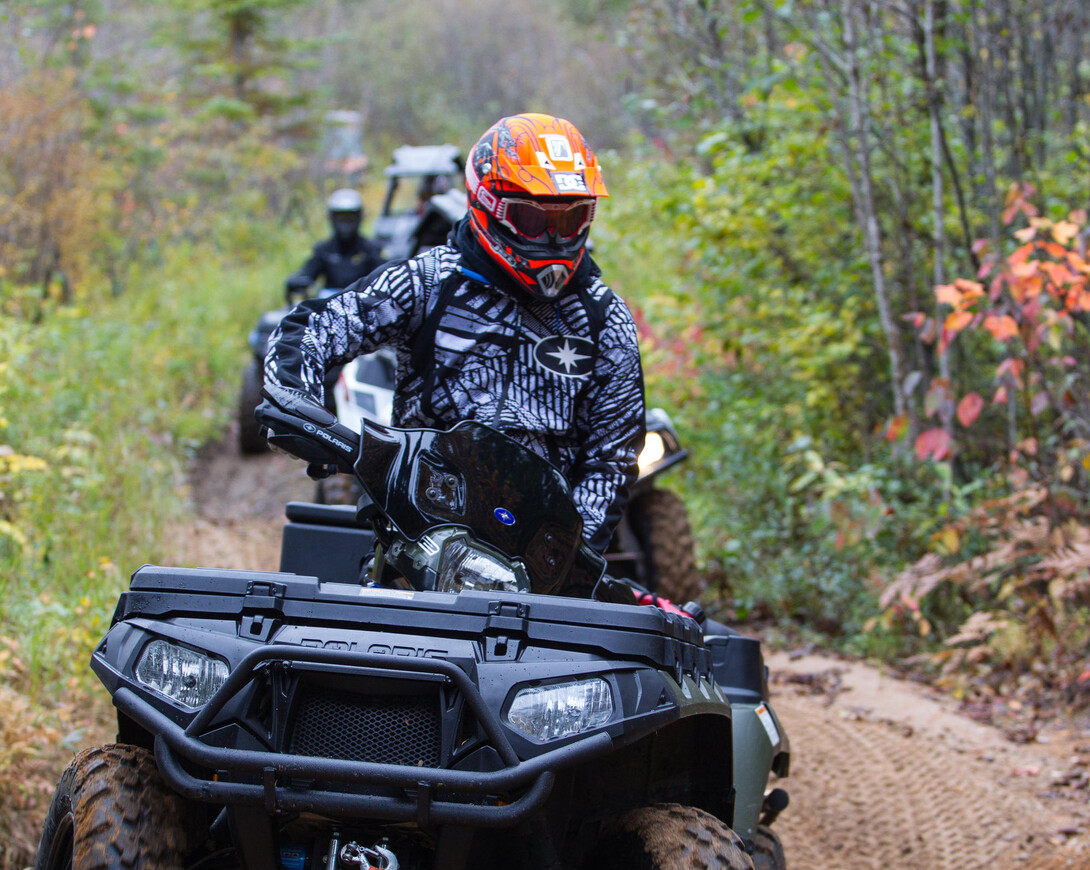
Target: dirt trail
(885, 774)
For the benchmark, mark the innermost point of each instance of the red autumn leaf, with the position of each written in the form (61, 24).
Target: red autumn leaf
(1002, 327)
(1013, 365)
(1000, 396)
(969, 409)
(934, 444)
(1038, 403)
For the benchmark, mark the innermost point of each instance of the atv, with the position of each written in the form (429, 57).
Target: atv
(429, 682)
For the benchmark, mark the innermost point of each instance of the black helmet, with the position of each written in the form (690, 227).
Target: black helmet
(345, 207)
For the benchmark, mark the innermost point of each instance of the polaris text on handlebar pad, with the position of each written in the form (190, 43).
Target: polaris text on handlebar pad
(302, 427)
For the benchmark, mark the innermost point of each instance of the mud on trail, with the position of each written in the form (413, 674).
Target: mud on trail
(885, 774)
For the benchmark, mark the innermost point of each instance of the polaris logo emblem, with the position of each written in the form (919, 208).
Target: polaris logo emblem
(504, 516)
(566, 355)
(325, 436)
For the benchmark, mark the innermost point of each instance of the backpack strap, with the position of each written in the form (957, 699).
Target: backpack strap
(423, 354)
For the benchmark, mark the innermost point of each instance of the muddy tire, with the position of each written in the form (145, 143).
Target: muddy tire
(668, 837)
(112, 811)
(768, 850)
(250, 439)
(662, 525)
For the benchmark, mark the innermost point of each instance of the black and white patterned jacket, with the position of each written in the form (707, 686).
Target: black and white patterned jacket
(563, 378)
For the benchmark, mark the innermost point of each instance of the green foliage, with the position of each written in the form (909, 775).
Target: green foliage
(758, 340)
(99, 412)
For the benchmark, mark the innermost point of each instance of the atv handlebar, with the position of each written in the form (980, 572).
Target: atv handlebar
(303, 428)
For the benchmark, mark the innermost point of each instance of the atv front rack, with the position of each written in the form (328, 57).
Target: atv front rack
(491, 790)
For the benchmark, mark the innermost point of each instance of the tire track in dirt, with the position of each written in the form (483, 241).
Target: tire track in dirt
(885, 776)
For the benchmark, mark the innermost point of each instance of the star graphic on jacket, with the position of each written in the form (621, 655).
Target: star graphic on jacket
(567, 356)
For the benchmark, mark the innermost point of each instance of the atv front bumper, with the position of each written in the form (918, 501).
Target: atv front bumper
(479, 793)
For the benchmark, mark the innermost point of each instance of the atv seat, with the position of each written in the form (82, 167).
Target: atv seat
(326, 541)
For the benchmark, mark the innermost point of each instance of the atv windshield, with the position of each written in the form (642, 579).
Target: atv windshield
(473, 476)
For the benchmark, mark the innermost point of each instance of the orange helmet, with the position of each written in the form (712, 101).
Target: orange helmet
(533, 187)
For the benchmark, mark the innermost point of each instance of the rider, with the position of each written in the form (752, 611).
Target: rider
(508, 324)
(344, 257)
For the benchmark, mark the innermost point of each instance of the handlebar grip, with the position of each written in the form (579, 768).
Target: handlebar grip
(302, 427)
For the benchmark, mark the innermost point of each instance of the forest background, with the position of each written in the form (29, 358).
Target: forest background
(853, 233)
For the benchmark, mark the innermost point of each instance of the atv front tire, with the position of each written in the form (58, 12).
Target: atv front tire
(768, 850)
(112, 811)
(662, 526)
(250, 439)
(669, 837)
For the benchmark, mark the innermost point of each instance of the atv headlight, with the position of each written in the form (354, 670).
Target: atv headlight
(552, 712)
(464, 567)
(182, 674)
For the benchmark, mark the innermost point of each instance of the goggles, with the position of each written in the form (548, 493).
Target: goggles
(533, 220)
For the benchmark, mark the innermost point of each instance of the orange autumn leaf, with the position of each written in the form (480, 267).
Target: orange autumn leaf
(1057, 272)
(1024, 269)
(1002, 326)
(948, 294)
(1020, 255)
(957, 321)
(1064, 232)
(1027, 288)
(969, 409)
(896, 427)
(1077, 263)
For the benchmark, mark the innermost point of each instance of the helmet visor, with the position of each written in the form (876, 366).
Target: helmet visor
(533, 220)
(346, 218)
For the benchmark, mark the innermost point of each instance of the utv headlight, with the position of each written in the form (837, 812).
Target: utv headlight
(182, 674)
(654, 448)
(464, 567)
(552, 712)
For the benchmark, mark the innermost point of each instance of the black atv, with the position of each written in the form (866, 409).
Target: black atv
(441, 690)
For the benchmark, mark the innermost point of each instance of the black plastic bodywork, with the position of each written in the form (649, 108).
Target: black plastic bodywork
(447, 665)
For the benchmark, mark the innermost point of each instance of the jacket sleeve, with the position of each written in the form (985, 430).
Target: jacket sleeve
(612, 421)
(320, 333)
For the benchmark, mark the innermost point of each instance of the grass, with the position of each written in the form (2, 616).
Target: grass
(100, 411)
